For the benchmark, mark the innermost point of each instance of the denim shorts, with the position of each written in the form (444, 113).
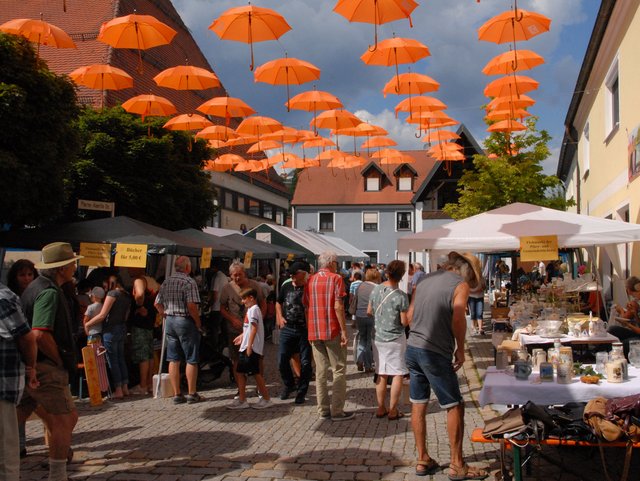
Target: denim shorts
(183, 339)
(428, 370)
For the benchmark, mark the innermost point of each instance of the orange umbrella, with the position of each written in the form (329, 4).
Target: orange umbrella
(512, 61)
(420, 103)
(445, 147)
(289, 160)
(394, 51)
(441, 136)
(214, 166)
(507, 126)
(286, 71)
(512, 85)
(361, 130)
(226, 107)
(513, 26)
(509, 102)
(217, 132)
(426, 116)
(257, 125)
(187, 122)
(149, 106)
(378, 142)
(215, 144)
(250, 24)
(241, 140)
(410, 83)
(136, 31)
(335, 119)
(38, 31)
(314, 100)
(318, 142)
(102, 77)
(264, 145)
(377, 12)
(507, 114)
(286, 135)
(187, 77)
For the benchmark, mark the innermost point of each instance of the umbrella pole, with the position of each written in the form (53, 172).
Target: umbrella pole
(250, 43)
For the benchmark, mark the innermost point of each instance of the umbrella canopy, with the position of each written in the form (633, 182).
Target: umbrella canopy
(440, 136)
(264, 145)
(394, 51)
(187, 122)
(419, 103)
(511, 85)
(410, 83)
(242, 139)
(507, 114)
(335, 119)
(215, 166)
(187, 77)
(377, 12)
(250, 24)
(314, 100)
(217, 132)
(257, 125)
(508, 101)
(226, 107)
(378, 142)
(289, 160)
(513, 26)
(286, 135)
(512, 61)
(102, 77)
(286, 71)
(318, 142)
(39, 32)
(362, 130)
(507, 126)
(149, 106)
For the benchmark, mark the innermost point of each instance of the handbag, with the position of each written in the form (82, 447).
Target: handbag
(511, 423)
(353, 304)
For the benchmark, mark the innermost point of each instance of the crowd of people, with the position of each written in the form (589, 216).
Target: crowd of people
(417, 334)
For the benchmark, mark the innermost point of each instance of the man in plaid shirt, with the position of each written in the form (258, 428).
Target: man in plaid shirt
(328, 335)
(17, 348)
(178, 301)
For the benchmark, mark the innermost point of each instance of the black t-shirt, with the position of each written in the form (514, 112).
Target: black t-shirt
(290, 298)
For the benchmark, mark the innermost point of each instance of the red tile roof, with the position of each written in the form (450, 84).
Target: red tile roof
(326, 186)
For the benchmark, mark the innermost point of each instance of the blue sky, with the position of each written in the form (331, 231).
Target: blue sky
(447, 27)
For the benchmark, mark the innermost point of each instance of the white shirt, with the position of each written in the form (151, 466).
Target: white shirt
(219, 281)
(253, 316)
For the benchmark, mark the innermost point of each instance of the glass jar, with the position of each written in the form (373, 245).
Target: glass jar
(634, 353)
(617, 355)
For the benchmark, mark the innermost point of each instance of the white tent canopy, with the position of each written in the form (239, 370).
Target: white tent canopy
(500, 230)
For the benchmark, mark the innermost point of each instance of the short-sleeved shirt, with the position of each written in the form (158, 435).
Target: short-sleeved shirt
(230, 298)
(253, 316)
(13, 325)
(290, 299)
(176, 292)
(92, 311)
(387, 304)
(322, 291)
(219, 281)
(119, 312)
(364, 292)
(45, 309)
(354, 287)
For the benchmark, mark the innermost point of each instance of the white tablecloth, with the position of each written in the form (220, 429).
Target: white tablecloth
(526, 339)
(501, 388)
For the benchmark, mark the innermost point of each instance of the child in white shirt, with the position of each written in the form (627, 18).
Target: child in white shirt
(250, 362)
(94, 333)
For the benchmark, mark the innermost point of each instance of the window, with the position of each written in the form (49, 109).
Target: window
(403, 221)
(267, 211)
(373, 184)
(405, 183)
(242, 206)
(254, 207)
(370, 221)
(279, 217)
(228, 200)
(325, 222)
(612, 96)
(373, 256)
(585, 150)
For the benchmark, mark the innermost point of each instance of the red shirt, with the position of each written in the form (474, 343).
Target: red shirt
(321, 292)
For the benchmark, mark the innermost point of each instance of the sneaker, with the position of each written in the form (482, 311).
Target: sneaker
(194, 398)
(286, 391)
(237, 404)
(179, 399)
(300, 398)
(262, 404)
(345, 416)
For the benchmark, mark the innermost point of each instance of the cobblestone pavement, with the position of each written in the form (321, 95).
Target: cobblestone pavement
(153, 440)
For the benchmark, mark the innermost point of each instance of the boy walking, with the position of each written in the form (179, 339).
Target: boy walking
(250, 361)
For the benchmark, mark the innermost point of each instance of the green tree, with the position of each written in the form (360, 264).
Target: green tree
(37, 111)
(509, 172)
(154, 178)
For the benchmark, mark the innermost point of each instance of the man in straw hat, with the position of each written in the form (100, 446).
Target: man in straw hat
(46, 308)
(435, 351)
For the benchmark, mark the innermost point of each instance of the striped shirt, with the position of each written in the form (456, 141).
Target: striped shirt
(322, 291)
(176, 292)
(12, 326)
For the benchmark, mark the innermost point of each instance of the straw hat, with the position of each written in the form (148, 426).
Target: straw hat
(57, 254)
(474, 262)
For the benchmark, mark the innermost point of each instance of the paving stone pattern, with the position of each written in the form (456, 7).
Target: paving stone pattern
(144, 439)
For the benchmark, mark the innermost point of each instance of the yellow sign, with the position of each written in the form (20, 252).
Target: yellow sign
(131, 255)
(247, 259)
(95, 255)
(539, 248)
(290, 257)
(205, 260)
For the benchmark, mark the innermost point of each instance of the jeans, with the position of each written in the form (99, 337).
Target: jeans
(292, 340)
(476, 308)
(113, 342)
(330, 355)
(364, 355)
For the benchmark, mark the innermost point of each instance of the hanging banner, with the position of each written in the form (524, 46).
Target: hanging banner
(247, 259)
(205, 259)
(95, 255)
(131, 255)
(539, 248)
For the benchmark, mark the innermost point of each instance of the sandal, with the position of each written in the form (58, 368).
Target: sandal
(382, 414)
(394, 417)
(428, 467)
(460, 473)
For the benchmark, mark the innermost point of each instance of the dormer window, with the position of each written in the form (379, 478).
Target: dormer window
(404, 175)
(372, 184)
(405, 183)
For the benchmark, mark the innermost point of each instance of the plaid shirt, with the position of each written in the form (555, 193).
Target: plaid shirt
(176, 292)
(12, 326)
(321, 292)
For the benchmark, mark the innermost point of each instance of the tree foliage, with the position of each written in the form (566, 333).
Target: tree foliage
(152, 174)
(38, 141)
(509, 172)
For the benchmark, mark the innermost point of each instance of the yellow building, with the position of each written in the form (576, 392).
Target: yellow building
(600, 156)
